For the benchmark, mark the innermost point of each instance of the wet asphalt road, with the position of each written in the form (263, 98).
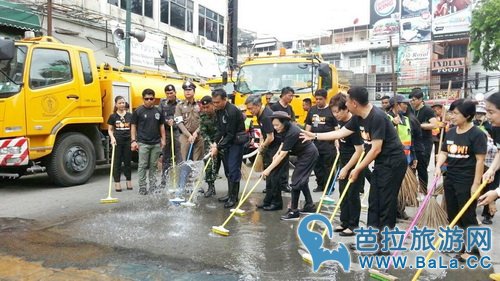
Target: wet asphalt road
(147, 238)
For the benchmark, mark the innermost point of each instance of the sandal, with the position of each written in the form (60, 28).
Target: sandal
(118, 187)
(347, 232)
(339, 229)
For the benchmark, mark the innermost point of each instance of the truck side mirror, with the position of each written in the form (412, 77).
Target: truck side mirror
(224, 78)
(7, 49)
(324, 69)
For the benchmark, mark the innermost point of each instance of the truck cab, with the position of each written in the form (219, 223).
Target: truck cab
(305, 73)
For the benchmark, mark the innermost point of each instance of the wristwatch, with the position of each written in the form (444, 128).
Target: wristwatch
(132, 141)
(315, 136)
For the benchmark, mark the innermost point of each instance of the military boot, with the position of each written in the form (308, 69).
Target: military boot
(234, 189)
(211, 190)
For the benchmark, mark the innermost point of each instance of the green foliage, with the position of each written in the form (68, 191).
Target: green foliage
(485, 34)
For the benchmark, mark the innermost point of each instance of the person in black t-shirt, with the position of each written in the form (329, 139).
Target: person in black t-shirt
(464, 150)
(148, 136)
(267, 149)
(229, 140)
(307, 156)
(350, 150)
(119, 133)
(383, 146)
(283, 104)
(286, 97)
(320, 119)
(493, 115)
(428, 122)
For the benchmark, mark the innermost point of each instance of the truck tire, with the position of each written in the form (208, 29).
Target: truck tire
(72, 161)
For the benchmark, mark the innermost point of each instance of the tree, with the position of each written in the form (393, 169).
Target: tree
(485, 34)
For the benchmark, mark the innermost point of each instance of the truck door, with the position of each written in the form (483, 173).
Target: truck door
(12, 115)
(52, 91)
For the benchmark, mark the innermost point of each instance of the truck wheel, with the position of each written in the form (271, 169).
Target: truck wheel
(72, 161)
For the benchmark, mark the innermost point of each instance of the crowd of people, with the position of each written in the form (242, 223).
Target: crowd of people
(397, 139)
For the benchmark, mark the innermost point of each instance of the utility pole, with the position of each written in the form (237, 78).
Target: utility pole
(127, 33)
(233, 31)
(49, 17)
(394, 85)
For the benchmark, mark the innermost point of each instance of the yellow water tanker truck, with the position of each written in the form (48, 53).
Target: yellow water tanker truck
(54, 105)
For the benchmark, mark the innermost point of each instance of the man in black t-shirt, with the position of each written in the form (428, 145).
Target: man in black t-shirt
(267, 149)
(428, 122)
(283, 104)
(147, 136)
(320, 119)
(383, 146)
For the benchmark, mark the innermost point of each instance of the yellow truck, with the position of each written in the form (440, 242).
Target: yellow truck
(54, 104)
(305, 73)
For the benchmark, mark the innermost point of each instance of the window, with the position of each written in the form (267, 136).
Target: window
(164, 14)
(211, 25)
(354, 62)
(383, 87)
(385, 59)
(177, 13)
(140, 7)
(86, 69)
(456, 51)
(49, 67)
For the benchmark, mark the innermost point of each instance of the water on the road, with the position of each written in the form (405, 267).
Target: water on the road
(151, 239)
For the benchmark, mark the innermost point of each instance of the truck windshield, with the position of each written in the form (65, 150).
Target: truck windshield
(273, 77)
(11, 73)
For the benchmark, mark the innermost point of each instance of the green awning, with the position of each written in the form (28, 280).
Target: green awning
(18, 15)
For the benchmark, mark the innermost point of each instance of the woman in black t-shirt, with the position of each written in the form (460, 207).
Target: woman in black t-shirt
(464, 150)
(119, 133)
(307, 156)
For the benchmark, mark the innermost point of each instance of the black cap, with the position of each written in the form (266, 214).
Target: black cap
(281, 115)
(170, 88)
(206, 100)
(188, 85)
(398, 99)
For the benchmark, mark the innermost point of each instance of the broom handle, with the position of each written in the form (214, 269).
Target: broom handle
(343, 194)
(111, 169)
(173, 151)
(241, 202)
(332, 184)
(326, 186)
(417, 216)
(443, 117)
(452, 224)
(199, 180)
(250, 175)
(190, 150)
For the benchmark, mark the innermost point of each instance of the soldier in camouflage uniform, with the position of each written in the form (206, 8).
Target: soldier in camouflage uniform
(208, 129)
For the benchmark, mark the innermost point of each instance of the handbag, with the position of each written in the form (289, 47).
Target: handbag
(241, 138)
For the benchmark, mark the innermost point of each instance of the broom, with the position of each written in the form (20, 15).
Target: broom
(451, 225)
(409, 189)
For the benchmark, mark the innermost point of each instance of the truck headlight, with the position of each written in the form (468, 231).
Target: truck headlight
(10, 150)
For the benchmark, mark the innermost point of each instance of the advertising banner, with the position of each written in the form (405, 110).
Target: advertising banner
(451, 19)
(413, 63)
(415, 21)
(384, 16)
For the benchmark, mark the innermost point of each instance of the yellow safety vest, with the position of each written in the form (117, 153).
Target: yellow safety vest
(404, 133)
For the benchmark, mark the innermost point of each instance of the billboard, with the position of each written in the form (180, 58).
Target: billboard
(415, 21)
(414, 63)
(451, 19)
(384, 16)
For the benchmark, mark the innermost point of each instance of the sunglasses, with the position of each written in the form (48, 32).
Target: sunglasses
(149, 99)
